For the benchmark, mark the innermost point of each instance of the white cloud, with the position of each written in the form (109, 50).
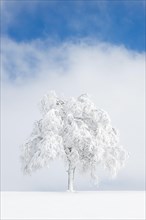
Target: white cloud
(113, 76)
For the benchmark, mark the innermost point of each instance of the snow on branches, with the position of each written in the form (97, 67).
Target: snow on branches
(75, 130)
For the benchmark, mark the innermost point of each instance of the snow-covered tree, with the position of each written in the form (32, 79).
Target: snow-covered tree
(76, 131)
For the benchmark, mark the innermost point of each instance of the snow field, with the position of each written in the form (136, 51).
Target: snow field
(77, 205)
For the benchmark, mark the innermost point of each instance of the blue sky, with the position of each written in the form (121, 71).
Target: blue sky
(117, 22)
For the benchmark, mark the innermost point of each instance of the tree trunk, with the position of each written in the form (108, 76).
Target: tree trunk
(71, 178)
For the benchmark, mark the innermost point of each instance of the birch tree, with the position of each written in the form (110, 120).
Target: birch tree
(76, 131)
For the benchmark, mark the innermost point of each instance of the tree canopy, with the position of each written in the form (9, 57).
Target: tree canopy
(75, 130)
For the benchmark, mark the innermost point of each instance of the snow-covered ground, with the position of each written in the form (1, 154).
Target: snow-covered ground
(78, 205)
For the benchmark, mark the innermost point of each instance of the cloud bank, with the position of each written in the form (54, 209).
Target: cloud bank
(112, 75)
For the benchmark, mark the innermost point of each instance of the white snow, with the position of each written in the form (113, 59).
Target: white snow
(77, 205)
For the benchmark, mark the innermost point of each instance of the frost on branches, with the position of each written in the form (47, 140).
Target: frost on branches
(76, 131)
